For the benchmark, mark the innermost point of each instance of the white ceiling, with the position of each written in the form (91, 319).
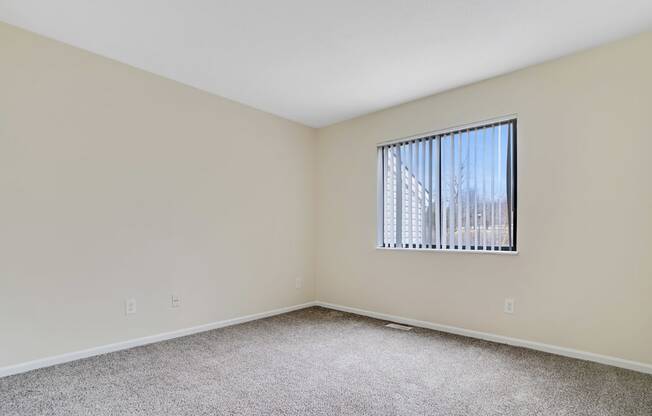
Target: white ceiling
(320, 62)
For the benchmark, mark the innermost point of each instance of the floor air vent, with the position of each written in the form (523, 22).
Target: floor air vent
(399, 326)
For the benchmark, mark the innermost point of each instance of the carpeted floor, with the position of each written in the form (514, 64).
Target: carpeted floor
(322, 362)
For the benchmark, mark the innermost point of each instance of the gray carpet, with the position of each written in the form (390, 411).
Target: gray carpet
(322, 362)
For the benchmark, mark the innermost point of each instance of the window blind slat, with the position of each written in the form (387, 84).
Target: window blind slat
(380, 200)
(423, 218)
(390, 212)
(417, 193)
(427, 193)
(484, 191)
(399, 197)
(406, 194)
(491, 146)
(475, 188)
(509, 185)
(459, 186)
(414, 175)
(388, 196)
(499, 208)
(434, 195)
(391, 195)
(467, 180)
(450, 181)
(443, 204)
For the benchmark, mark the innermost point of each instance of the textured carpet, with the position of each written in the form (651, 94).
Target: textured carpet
(322, 362)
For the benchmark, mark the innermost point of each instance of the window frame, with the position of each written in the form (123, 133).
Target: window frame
(465, 128)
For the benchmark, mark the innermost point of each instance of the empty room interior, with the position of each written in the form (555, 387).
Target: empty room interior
(326, 207)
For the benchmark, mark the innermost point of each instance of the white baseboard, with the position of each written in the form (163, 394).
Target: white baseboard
(104, 349)
(553, 349)
(566, 352)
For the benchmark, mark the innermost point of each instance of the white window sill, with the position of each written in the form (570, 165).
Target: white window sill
(442, 250)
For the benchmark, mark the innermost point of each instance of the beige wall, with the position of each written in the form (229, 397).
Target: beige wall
(583, 277)
(116, 183)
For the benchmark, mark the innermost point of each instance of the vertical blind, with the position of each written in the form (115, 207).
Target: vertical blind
(455, 190)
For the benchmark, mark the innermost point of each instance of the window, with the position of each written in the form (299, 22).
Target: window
(454, 190)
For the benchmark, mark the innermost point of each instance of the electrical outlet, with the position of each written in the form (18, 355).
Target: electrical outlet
(176, 301)
(509, 305)
(130, 306)
(298, 282)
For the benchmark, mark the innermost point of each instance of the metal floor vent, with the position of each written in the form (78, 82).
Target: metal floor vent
(399, 326)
